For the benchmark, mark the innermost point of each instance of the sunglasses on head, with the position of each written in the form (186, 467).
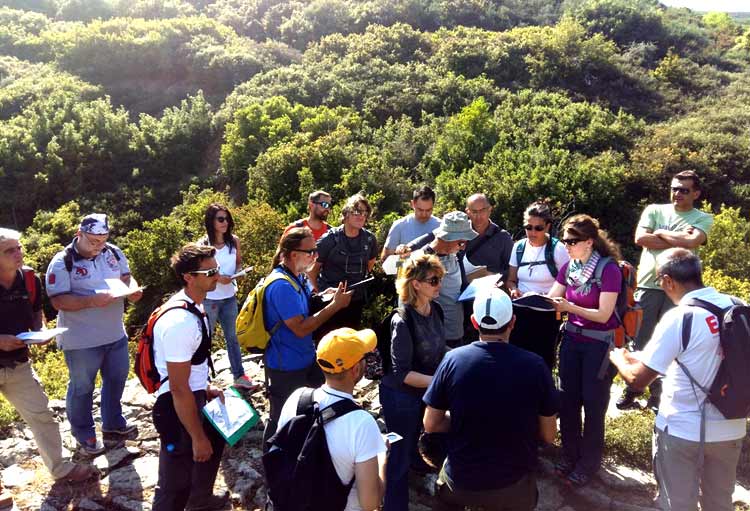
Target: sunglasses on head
(537, 228)
(323, 204)
(221, 219)
(433, 281)
(311, 251)
(681, 190)
(571, 242)
(208, 273)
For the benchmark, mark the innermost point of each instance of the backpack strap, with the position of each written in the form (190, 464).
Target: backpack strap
(599, 270)
(273, 277)
(70, 255)
(29, 281)
(549, 256)
(338, 409)
(519, 252)
(306, 402)
(688, 318)
(184, 305)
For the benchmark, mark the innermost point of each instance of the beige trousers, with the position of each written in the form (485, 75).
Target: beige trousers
(22, 389)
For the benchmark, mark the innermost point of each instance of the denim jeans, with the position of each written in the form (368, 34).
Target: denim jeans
(403, 414)
(580, 362)
(225, 311)
(83, 365)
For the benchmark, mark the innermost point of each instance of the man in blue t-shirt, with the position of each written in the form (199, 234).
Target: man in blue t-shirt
(501, 401)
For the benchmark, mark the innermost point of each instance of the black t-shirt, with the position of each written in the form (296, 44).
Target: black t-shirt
(345, 259)
(17, 315)
(495, 393)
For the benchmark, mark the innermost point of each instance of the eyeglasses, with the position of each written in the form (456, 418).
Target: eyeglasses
(537, 228)
(311, 251)
(681, 190)
(323, 204)
(359, 212)
(95, 241)
(571, 242)
(221, 219)
(660, 278)
(478, 211)
(433, 281)
(461, 243)
(208, 273)
(13, 250)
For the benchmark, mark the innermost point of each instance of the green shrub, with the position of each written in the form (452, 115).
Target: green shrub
(627, 438)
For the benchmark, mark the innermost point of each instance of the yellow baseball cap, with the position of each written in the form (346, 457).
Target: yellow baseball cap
(342, 348)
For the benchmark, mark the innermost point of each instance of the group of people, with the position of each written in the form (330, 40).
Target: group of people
(453, 368)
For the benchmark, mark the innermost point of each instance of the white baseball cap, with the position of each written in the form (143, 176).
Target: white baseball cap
(492, 309)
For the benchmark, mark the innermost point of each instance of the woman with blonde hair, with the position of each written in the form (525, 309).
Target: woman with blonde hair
(417, 347)
(586, 289)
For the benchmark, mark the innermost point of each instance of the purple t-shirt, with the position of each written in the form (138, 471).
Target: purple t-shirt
(611, 281)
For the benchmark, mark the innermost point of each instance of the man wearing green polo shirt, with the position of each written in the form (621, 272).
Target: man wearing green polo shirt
(661, 227)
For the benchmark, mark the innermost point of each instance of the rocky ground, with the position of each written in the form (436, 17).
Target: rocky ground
(129, 470)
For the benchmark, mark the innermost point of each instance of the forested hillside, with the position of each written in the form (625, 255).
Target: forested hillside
(149, 109)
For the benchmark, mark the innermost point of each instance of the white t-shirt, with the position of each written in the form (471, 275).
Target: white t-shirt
(228, 266)
(177, 335)
(537, 278)
(352, 438)
(680, 409)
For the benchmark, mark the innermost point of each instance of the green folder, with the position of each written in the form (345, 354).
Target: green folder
(232, 419)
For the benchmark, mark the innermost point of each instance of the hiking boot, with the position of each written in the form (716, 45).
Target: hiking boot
(653, 403)
(127, 430)
(91, 447)
(627, 400)
(6, 499)
(212, 503)
(245, 383)
(80, 473)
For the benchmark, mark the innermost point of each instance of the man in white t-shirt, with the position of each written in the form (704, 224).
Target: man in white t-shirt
(355, 444)
(678, 422)
(190, 447)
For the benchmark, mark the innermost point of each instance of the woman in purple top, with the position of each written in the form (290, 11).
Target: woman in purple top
(585, 371)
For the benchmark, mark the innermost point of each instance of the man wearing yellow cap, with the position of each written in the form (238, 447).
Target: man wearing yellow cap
(355, 444)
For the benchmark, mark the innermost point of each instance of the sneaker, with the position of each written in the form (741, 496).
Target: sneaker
(80, 473)
(653, 404)
(91, 447)
(127, 430)
(245, 383)
(212, 503)
(627, 400)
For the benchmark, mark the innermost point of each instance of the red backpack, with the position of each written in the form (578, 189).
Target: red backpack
(29, 280)
(145, 363)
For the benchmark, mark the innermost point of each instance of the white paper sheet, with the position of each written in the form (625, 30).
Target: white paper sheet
(118, 288)
(478, 285)
(230, 416)
(41, 335)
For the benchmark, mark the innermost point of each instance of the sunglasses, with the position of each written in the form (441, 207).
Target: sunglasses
(433, 281)
(311, 251)
(323, 204)
(681, 190)
(537, 228)
(208, 273)
(571, 242)
(221, 219)
(359, 212)
(660, 278)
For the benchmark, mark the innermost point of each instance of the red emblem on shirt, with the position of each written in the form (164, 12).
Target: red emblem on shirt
(52, 279)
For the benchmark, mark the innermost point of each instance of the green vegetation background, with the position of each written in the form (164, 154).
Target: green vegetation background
(148, 110)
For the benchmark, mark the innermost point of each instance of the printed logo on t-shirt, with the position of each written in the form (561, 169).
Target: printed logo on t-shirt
(52, 279)
(112, 261)
(80, 272)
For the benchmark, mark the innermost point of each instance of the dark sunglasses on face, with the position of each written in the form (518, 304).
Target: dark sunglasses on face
(221, 219)
(537, 228)
(208, 273)
(433, 281)
(359, 212)
(681, 190)
(323, 204)
(311, 251)
(571, 242)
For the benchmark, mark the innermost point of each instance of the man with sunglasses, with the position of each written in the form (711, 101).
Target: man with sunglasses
(21, 311)
(319, 205)
(414, 225)
(191, 448)
(95, 342)
(661, 227)
(493, 246)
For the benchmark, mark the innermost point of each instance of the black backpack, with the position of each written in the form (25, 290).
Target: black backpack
(730, 390)
(300, 475)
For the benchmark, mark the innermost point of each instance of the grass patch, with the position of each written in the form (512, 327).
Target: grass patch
(628, 438)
